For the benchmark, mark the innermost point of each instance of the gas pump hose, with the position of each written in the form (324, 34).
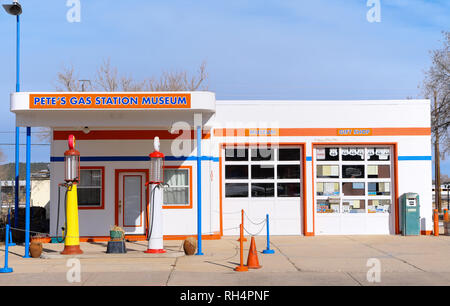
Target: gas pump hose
(65, 212)
(150, 227)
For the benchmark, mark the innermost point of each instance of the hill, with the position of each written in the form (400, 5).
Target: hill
(7, 170)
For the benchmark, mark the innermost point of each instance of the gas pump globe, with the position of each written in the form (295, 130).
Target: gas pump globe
(72, 162)
(156, 165)
(156, 168)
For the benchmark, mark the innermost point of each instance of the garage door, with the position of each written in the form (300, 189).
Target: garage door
(354, 189)
(262, 180)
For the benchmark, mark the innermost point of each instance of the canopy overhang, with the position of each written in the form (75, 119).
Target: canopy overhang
(111, 109)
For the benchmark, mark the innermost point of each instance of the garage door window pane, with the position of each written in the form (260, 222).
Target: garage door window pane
(288, 190)
(327, 206)
(327, 189)
(378, 171)
(262, 154)
(327, 171)
(289, 154)
(382, 188)
(288, 172)
(262, 172)
(354, 206)
(353, 171)
(352, 153)
(353, 188)
(263, 190)
(236, 154)
(236, 172)
(236, 190)
(381, 154)
(327, 154)
(379, 206)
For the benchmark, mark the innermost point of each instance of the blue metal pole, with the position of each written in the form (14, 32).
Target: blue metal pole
(6, 269)
(27, 190)
(199, 190)
(17, 187)
(268, 250)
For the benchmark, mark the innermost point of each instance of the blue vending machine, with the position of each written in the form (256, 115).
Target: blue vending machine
(410, 214)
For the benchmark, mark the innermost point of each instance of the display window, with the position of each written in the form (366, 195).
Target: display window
(90, 188)
(353, 179)
(262, 172)
(177, 193)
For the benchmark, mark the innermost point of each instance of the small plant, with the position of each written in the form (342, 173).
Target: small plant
(114, 233)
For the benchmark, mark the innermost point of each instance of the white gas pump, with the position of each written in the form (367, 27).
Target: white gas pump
(155, 183)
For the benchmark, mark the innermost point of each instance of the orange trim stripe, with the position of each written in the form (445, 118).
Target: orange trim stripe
(126, 135)
(393, 131)
(215, 236)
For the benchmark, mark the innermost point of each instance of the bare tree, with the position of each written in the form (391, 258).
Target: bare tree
(436, 86)
(180, 81)
(67, 80)
(108, 79)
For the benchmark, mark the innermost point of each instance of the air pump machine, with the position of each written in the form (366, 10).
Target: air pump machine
(156, 184)
(72, 177)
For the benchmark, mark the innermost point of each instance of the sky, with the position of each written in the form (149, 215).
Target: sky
(254, 49)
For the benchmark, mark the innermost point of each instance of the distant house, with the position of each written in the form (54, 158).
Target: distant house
(445, 195)
(40, 191)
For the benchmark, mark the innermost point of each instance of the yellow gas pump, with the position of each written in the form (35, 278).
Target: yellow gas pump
(72, 177)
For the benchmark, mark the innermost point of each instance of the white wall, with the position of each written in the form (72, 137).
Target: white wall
(413, 176)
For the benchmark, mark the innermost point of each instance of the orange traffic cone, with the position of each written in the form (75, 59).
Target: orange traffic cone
(252, 261)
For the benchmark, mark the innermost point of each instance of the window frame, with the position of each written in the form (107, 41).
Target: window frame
(102, 189)
(181, 206)
(274, 162)
(366, 180)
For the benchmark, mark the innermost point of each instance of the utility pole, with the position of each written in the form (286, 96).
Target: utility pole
(437, 167)
(82, 84)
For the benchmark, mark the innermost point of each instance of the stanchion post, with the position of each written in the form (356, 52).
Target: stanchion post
(242, 222)
(268, 250)
(241, 267)
(436, 222)
(6, 269)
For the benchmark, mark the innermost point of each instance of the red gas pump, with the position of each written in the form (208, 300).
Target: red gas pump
(156, 181)
(71, 178)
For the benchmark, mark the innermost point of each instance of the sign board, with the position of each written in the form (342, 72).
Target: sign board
(354, 132)
(110, 101)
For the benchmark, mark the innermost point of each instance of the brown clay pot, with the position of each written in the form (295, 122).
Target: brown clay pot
(190, 245)
(35, 249)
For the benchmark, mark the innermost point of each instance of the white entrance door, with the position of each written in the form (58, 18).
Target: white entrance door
(132, 202)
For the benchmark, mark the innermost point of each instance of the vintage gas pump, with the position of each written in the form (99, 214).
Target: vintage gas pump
(156, 182)
(410, 214)
(72, 177)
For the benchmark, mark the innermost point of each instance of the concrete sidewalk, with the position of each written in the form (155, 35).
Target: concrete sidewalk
(320, 260)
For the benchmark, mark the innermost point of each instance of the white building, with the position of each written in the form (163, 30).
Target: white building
(316, 167)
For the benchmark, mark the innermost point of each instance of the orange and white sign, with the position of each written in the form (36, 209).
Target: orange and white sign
(110, 100)
(354, 132)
